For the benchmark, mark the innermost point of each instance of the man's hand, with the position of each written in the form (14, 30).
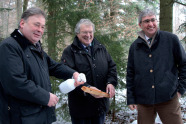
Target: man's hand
(77, 83)
(110, 90)
(53, 100)
(132, 107)
(179, 95)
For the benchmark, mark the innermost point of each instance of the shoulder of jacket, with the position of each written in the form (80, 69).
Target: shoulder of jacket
(98, 44)
(67, 50)
(167, 33)
(172, 38)
(73, 49)
(138, 40)
(10, 41)
(101, 45)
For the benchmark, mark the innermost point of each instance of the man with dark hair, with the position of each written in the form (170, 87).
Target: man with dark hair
(156, 73)
(25, 88)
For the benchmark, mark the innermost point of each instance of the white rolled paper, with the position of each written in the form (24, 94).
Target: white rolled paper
(68, 85)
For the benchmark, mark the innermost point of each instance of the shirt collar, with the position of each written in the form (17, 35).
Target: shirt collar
(86, 46)
(20, 32)
(146, 37)
(23, 35)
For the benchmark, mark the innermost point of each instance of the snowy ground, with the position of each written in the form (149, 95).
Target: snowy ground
(122, 115)
(130, 117)
(126, 116)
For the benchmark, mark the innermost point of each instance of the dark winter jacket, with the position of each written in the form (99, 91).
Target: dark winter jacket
(99, 69)
(24, 78)
(155, 74)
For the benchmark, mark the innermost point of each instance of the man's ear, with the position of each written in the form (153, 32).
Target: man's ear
(139, 25)
(21, 23)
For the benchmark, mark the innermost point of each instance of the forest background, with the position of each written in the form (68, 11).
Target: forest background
(116, 27)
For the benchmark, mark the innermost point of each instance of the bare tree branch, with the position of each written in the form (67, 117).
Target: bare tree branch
(176, 1)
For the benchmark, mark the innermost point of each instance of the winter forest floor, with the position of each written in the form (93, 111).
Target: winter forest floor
(126, 116)
(130, 117)
(123, 115)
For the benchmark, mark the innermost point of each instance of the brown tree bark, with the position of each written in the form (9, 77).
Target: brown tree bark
(166, 15)
(19, 9)
(25, 5)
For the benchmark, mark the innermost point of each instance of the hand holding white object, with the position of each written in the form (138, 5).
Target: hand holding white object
(70, 84)
(82, 78)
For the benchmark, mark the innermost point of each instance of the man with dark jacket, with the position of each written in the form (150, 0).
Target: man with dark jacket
(156, 73)
(25, 88)
(88, 56)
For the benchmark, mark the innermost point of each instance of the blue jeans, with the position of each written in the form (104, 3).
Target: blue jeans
(90, 120)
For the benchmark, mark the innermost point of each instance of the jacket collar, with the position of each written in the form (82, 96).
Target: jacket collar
(77, 44)
(23, 41)
(141, 35)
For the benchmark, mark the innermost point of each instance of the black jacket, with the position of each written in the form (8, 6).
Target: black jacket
(99, 69)
(155, 74)
(24, 78)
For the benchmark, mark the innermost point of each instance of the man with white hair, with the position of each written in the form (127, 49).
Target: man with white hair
(88, 56)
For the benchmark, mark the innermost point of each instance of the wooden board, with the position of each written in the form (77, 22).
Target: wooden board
(94, 91)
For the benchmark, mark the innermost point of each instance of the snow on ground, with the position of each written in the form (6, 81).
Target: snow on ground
(122, 115)
(126, 116)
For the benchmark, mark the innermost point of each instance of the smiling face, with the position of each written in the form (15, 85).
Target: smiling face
(33, 28)
(86, 34)
(149, 25)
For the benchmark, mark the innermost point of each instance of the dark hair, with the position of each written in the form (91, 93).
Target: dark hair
(146, 12)
(32, 11)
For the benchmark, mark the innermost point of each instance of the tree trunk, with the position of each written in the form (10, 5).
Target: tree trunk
(52, 36)
(3, 22)
(19, 10)
(7, 27)
(25, 4)
(166, 15)
(112, 19)
(52, 30)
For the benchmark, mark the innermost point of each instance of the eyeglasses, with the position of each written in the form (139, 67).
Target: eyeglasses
(86, 32)
(149, 20)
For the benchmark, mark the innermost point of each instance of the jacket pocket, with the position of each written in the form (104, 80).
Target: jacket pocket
(30, 109)
(167, 86)
(169, 80)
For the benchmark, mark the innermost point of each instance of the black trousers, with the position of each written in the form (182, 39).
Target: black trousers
(90, 120)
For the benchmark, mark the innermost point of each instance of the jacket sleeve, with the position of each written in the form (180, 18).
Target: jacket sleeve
(59, 70)
(67, 57)
(13, 77)
(180, 57)
(130, 77)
